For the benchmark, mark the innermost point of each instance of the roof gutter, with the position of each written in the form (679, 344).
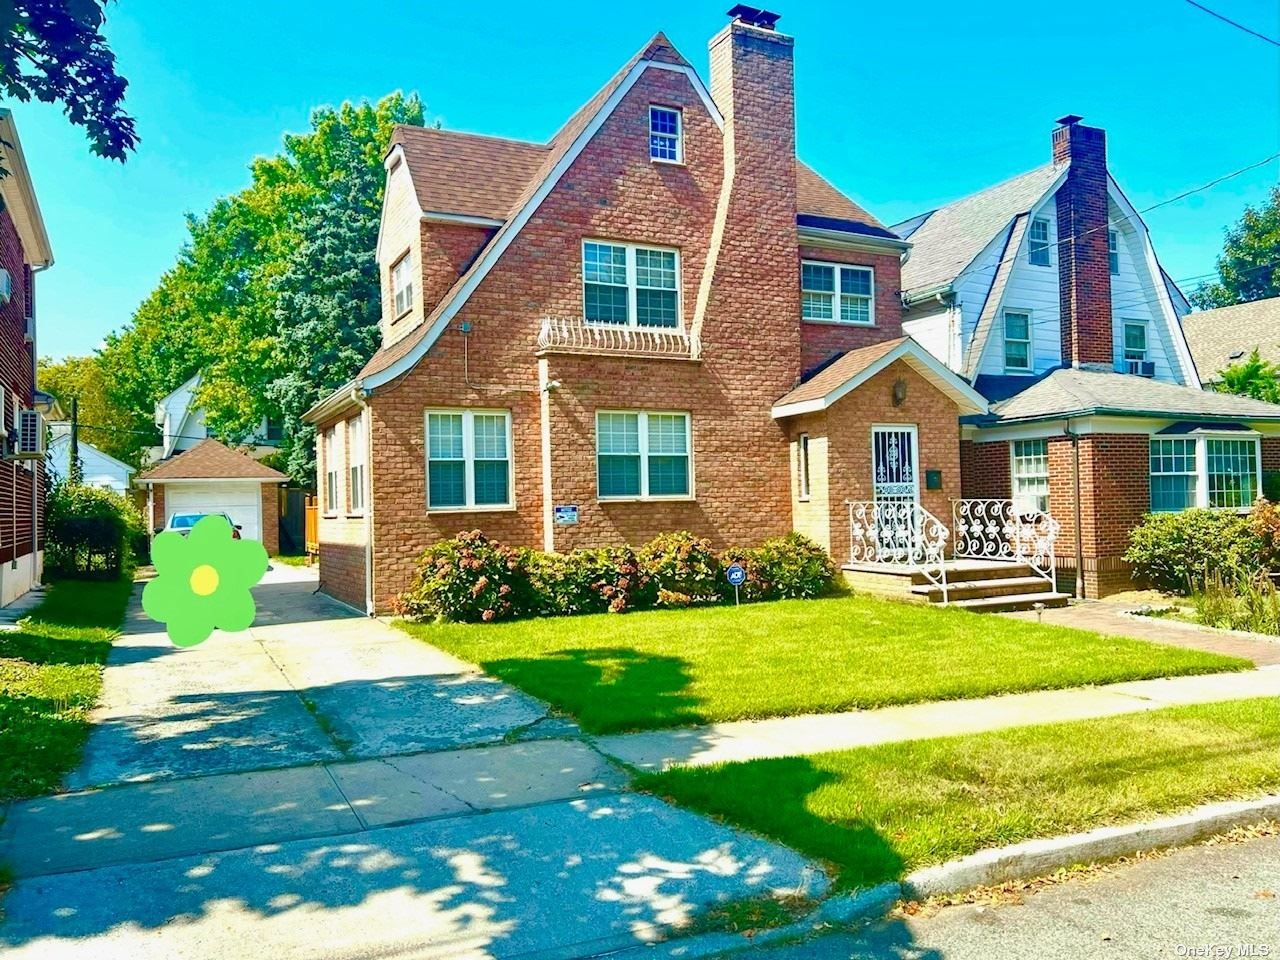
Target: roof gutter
(1120, 412)
(819, 236)
(350, 394)
(920, 294)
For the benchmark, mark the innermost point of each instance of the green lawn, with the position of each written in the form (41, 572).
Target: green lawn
(50, 675)
(290, 559)
(677, 667)
(876, 813)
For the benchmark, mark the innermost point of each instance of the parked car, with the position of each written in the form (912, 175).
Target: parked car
(181, 523)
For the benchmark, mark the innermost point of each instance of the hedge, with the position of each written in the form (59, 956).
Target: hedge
(90, 532)
(471, 578)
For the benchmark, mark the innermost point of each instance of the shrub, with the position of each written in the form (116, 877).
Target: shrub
(1239, 603)
(1175, 552)
(1271, 485)
(683, 569)
(470, 578)
(790, 567)
(89, 531)
(1264, 521)
(590, 581)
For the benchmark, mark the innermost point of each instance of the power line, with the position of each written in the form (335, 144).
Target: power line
(1111, 223)
(1238, 26)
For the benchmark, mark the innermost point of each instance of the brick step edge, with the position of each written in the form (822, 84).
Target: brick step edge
(1019, 861)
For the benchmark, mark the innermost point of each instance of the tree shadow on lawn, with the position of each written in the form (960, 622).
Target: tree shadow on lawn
(607, 689)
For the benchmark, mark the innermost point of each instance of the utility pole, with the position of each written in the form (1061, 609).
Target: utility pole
(75, 470)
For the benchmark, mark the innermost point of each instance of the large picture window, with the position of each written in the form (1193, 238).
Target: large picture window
(837, 293)
(630, 285)
(1030, 475)
(1218, 472)
(468, 459)
(642, 455)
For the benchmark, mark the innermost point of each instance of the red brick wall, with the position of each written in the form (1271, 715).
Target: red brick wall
(342, 572)
(18, 485)
(1083, 267)
(821, 341)
(1270, 454)
(271, 518)
(985, 469)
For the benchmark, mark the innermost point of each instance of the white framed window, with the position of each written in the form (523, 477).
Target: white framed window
(356, 451)
(1218, 471)
(331, 470)
(1135, 343)
(1174, 474)
(1029, 472)
(1017, 340)
(469, 460)
(1113, 252)
(837, 293)
(630, 285)
(402, 284)
(643, 456)
(802, 464)
(1038, 242)
(666, 134)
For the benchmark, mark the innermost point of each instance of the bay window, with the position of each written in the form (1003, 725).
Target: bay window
(1173, 474)
(837, 293)
(1231, 467)
(1217, 471)
(641, 455)
(468, 459)
(630, 285)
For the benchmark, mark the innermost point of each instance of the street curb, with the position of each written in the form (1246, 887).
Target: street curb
(1019, 861)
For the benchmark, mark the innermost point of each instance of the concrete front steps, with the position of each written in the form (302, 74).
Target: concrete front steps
(987, 586)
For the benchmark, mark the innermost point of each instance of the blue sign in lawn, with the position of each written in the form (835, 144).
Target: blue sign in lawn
(736, 574)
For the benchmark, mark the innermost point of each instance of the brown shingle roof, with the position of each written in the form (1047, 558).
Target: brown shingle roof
(211, 460)
(848, 366)
(465, 173)
(816, 197)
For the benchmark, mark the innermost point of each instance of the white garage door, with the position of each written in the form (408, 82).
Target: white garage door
(242, 502)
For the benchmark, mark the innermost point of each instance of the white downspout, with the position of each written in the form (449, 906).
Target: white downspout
(367, 421)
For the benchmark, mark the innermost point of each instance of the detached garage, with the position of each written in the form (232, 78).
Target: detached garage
(213, 478)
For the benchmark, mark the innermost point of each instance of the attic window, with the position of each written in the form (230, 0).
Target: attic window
(402, 285)
(665, 135)
(1038, 242)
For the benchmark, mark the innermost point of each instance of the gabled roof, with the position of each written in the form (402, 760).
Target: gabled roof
(211, 460)
(61, 435)
(947, 240)
(483, 179)
(856, 367)
(1221, 337)
(1073, 392)
(19, 195)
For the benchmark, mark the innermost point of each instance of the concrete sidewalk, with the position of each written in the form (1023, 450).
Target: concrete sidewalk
(794, 736)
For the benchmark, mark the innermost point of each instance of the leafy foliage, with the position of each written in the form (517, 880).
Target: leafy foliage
(54, 50)
(1176, 552)
(1238, 603)
(293, 248)
(1249, 267)
(89, 532)
(1251, 377)
(117, 432)
(472, 578)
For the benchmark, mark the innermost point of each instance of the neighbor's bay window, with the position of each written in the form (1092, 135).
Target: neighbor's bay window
(468, 459)
(642, 455)
(1219, 472)
(630, 285)
(1030, 475)
(837, 293)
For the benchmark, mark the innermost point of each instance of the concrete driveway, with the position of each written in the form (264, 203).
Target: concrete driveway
(323, 785)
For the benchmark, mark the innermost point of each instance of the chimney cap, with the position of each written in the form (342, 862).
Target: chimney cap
(754, 16)
(1070, 120)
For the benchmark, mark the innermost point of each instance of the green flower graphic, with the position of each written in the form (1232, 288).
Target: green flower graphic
(203, 581)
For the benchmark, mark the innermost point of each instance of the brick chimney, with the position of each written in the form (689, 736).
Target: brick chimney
(1084, 274)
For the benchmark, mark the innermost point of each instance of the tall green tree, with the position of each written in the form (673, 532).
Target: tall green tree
(118, 432)
(1251, 377)
(1249, 267)
(216, 311)
(54, 50)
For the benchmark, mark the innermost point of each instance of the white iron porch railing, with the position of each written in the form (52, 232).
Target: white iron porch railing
(576, 335)
(1003, 530)
(899, 533)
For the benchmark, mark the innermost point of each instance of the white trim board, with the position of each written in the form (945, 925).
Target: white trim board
(503, 239)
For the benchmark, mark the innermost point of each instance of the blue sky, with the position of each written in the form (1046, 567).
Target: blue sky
(902, 106)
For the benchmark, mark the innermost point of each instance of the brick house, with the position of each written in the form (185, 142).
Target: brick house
(1046, 293)
(658, 320)
(24, 252)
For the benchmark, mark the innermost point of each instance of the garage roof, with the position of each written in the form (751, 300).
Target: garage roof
(211, 460)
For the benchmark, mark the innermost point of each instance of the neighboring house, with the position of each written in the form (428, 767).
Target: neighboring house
(182, 425)
(1045, 292)
(1227, 335)
(97, 468)
(212, 478)
(631, 329)
(24, 252)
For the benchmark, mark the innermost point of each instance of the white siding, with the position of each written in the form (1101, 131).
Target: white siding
(1031, 289)
(937, 329)
(974, 284)
(1135, 296)
(98, 469)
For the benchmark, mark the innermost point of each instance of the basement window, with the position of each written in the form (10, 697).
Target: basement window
(666, 135)
(1038, 242)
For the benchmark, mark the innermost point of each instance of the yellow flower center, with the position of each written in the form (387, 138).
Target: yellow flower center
(204, 580)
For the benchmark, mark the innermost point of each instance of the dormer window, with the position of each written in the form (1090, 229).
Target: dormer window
(1038, 242)
(666, 135)
(402, 285)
